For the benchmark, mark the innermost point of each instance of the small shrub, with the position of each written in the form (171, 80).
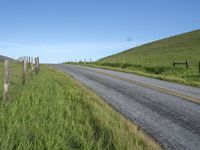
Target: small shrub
(156, 70)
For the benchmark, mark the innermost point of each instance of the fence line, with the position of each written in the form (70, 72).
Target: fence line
(192, 63)
(27, 62)
(181, 63)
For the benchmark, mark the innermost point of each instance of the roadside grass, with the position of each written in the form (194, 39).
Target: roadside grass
(155, 59)
(54, 111)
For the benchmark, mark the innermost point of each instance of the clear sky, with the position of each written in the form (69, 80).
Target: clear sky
(59, 30)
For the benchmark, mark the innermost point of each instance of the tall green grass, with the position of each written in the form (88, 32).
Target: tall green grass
(53, 111)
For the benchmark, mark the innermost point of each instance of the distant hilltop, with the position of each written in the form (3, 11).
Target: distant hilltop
(5, 57)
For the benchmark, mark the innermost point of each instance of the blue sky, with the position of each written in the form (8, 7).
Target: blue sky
(59, 30)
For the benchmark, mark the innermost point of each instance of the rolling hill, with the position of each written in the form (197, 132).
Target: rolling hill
(5, 57)
(155, 59)
(161, 53)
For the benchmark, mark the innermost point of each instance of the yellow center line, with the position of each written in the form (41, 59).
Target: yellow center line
(156, 88)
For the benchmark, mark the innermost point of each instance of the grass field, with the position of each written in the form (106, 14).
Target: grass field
(155, 59)
(53, 111)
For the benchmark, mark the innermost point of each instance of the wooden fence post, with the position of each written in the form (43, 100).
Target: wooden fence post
(24, 71)
(29, 61)
(31, 68)
(186, 63)
(36, 65)
(6, 81)
(199, 66)
(174, 63)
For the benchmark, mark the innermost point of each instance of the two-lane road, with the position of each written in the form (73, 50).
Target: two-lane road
(168, 112)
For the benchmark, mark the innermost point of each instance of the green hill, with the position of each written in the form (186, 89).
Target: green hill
(5, 57)
(155, 59)
(161, 53)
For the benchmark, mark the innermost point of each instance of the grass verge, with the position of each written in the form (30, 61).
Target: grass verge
(53, 111)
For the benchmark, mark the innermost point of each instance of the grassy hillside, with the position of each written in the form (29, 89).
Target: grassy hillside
(5, 57)
(161, 53)
(53, 111)
(155, 59)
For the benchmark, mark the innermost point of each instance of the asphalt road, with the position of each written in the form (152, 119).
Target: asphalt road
(164, 110)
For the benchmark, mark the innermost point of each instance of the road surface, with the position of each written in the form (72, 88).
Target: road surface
(168, 112)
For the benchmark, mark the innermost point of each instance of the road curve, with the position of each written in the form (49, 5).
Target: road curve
(164, 110)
